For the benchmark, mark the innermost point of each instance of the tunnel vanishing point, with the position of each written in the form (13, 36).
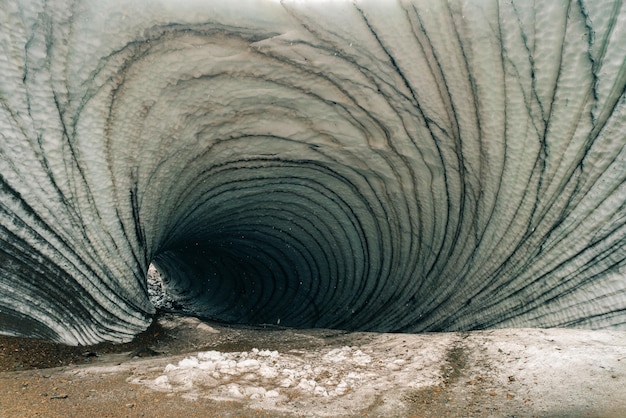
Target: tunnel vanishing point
(403, 166)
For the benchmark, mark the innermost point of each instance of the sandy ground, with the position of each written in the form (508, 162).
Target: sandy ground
(186, 367)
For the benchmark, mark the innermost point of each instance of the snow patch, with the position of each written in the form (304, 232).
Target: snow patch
(268, 378)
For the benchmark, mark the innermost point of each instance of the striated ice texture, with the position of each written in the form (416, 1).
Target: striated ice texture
(365, 165)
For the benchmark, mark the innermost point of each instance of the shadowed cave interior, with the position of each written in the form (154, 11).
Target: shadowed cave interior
(282, 246)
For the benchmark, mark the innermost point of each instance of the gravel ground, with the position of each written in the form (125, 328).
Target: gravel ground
(186, 367)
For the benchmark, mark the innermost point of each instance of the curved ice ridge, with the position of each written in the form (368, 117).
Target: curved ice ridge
(366, 165)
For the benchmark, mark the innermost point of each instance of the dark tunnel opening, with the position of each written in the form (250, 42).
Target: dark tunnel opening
(270, 243)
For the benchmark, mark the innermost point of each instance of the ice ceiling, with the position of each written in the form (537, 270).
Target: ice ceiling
(369, 165)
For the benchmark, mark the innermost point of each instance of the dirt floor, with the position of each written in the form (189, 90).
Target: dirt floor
(185, 367)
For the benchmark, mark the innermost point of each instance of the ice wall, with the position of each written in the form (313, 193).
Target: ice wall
(368, 165)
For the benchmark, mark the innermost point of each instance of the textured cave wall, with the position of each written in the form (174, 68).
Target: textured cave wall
(390, 166)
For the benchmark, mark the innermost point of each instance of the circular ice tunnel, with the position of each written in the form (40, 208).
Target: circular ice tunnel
(410, 166)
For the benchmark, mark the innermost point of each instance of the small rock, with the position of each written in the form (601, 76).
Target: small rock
(58, 396)
(130, 405)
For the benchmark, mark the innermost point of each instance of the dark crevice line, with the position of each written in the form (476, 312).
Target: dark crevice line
(448, 102)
